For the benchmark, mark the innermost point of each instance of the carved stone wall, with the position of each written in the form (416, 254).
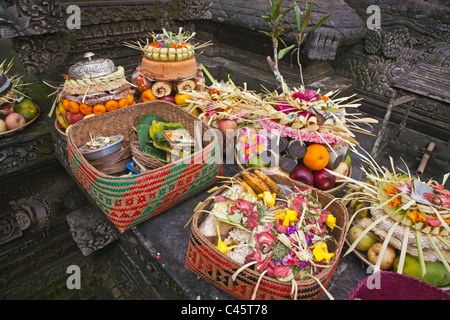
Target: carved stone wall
(411, 32)
(46, 47)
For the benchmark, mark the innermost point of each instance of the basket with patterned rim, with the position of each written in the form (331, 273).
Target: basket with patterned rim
(207, 262)
(131, 199)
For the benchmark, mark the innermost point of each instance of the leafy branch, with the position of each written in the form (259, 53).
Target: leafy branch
(277, 20)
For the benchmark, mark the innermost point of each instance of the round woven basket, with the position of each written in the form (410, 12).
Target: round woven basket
(387, 285)
(215, 267)
(140, 157)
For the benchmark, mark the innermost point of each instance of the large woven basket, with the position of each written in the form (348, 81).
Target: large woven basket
(217, 268)
(387, 285)
(132, 199)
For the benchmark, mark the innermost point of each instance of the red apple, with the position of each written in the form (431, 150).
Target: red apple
(73, 118)
(14, 120)
(304, 175)
(324, 180)
(168, 98)
(225, 125)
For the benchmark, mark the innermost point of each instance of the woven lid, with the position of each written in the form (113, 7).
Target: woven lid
(91, 68)
(5, 84)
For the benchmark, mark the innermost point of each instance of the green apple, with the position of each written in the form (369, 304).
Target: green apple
(366, 241)
(27, 109)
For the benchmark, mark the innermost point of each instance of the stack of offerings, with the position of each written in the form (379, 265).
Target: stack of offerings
(92, 87)
(168, 68)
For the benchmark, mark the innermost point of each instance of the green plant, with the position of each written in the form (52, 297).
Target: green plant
(277, 20)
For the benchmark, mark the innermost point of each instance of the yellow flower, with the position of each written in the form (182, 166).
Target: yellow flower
(416, 216)
(287, 216)
(222, 246)
(320, 252)
(268, 197)
(331, 221)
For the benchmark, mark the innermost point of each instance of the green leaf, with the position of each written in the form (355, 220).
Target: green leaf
(278, 8)
(298, 16)
(283, 52)
(306, 19)
(209, 75)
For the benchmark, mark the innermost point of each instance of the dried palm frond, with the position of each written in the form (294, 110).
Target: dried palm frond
(411, 215)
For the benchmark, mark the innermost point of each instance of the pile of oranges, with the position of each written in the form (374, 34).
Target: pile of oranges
(111, 105)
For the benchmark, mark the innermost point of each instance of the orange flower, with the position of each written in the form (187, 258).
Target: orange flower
(416, 216)
(324, 98)
(391, 191)
(394, 203)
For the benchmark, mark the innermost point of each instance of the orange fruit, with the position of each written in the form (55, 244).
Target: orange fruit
(180, 99)
(74, 107)
(148, 95)
(111, 105)
(123, 103)
(130, 99)
(85, 109)
(99, 109)
(316, 157)
(66, 104)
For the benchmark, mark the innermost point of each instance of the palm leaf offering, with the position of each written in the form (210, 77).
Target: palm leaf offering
(284, 238)
(405, 214)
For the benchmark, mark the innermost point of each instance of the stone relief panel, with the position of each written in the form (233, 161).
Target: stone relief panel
(43, 41)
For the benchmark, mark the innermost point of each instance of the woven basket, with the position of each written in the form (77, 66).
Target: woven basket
(115, 164)
(387, 285)
(132, 199)
(217, 268)
(143, 159)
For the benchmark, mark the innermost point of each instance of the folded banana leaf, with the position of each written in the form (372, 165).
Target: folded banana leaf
(145, 141)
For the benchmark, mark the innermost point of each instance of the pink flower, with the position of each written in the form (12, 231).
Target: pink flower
(281, 228)
(290, 259)
(297, 204)
(265, 241)
(281, 272)
(245, 206)
(252, 220)
(220, 198)
(308, 95)
(285, 107)
(433, 222)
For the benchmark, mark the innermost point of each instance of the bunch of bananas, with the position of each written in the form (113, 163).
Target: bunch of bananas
(255, 182)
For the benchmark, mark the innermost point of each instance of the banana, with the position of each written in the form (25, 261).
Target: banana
(271, 184)
(247, 187)
(255, 182)
(60, 115)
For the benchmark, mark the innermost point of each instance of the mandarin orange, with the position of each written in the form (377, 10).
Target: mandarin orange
(316, 157)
